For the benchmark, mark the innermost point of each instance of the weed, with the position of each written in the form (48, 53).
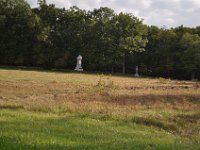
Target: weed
(163, 80)
(105, 85)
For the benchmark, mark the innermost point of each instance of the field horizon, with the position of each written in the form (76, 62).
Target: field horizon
(68, 110)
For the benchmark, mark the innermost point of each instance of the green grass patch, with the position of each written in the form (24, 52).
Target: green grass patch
(20, 129)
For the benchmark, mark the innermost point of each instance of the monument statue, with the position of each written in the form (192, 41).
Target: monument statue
(79, 63)
(136, 72)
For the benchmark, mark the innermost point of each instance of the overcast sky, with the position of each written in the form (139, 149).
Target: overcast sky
(170, 13)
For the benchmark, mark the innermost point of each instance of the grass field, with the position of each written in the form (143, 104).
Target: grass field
(67, 110)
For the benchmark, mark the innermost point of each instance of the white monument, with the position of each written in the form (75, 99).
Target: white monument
(136, 72)
(78, 65)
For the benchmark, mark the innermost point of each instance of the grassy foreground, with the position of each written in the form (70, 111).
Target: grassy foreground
(52, 110)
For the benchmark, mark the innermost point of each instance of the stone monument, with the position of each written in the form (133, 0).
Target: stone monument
(136, 72)
(78, 65)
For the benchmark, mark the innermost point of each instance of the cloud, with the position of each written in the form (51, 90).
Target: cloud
(168, 13)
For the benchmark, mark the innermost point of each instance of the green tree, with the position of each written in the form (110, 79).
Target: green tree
(129, 35)
(191, 55)
(100, 38)
(17, 24)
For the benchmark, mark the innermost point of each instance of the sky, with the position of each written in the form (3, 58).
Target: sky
(162, 13)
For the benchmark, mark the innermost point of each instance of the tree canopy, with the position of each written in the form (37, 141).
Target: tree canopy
(52, 37)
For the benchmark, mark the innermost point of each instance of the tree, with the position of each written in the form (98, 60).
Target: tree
(129, 35)
(191, 55)
(17, 25)
(52, 37)
(100, 43)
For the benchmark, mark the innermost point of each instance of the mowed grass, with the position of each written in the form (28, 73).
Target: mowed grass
(55, 110)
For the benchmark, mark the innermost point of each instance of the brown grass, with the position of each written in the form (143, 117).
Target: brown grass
(157, 102)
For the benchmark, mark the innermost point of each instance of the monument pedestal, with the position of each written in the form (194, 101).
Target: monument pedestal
(78, 68)
(137, 75)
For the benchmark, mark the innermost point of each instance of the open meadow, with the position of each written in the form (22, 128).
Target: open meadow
(68, 110)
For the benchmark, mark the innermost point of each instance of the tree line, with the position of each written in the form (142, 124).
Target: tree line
(51, 37)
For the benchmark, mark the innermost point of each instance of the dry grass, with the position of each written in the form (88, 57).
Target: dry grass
(167, 104)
